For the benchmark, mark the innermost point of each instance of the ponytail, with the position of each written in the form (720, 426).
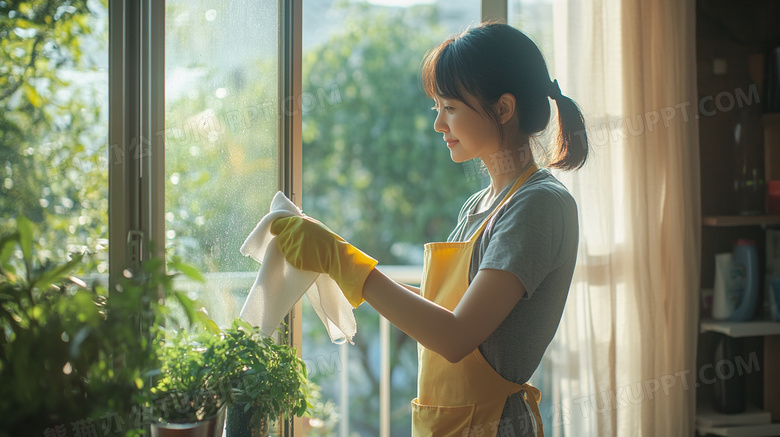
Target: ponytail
(572, 142)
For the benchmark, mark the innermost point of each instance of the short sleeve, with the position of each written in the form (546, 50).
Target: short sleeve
(528, 234)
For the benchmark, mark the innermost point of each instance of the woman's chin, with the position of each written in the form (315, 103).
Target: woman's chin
(458, 158)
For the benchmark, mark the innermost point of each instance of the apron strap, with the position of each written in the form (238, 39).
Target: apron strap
(516, 186)
(533, 396)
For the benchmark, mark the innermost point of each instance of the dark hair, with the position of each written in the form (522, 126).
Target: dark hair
(491, 59)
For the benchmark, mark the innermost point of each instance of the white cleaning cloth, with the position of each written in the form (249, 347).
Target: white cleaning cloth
(279, 285)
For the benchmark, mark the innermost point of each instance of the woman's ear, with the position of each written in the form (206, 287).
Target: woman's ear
(505, 107)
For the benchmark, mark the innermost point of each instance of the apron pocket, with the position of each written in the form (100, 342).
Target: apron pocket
(440, 421)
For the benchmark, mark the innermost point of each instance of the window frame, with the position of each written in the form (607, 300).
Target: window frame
(136, 136)
(136, 133)
(291, 148)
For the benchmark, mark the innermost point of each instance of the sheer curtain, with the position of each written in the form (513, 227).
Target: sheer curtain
(623, 360)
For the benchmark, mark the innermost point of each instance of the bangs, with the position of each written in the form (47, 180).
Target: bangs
(442, 72)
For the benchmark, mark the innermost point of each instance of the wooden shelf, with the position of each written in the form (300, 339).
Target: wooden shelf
(741, 329)
(740, 220)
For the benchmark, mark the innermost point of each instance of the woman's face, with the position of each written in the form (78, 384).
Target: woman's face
(469, 134)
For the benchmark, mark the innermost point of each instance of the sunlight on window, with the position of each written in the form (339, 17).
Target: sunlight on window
(221, 137)
(376, 172)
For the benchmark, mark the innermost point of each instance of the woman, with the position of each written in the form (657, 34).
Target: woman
(492, 296)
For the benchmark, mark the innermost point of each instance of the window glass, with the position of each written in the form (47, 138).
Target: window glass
(535, 19)
(376, 172)
(221, 118)
(54, 125)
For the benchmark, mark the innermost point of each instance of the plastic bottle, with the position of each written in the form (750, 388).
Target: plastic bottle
(724, 298)
(746, 257)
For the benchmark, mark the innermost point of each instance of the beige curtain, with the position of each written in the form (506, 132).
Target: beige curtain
(623, 361)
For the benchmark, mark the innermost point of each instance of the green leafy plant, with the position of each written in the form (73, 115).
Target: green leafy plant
(190, 386)
(206, 368)
(70, 352)
(266, 378)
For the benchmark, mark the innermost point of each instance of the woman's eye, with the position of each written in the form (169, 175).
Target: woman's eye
(446, 108)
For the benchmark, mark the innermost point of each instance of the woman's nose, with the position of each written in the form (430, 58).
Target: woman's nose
(439, 125)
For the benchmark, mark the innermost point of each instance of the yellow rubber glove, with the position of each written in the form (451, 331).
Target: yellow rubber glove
(309, 245)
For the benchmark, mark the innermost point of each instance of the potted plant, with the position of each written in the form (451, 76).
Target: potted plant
(205, 369)
(267, 380)
(76, 356)
(70, 354)
(186, 394)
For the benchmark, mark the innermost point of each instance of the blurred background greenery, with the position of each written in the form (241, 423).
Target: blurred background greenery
(53, 123)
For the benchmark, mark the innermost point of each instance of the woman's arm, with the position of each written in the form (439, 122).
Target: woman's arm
(413, 289)
(452, 334)
(309, 245)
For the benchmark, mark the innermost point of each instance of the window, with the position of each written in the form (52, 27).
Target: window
(195, 111)
(376, 172)
(222, 139)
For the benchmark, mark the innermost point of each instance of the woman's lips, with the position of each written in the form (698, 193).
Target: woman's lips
(451, 143)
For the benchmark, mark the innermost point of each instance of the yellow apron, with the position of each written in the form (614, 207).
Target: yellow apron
(465, 398)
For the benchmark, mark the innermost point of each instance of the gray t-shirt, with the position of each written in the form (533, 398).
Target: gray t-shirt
(534, 235)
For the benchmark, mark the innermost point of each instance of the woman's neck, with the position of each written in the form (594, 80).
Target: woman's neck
(505, 166)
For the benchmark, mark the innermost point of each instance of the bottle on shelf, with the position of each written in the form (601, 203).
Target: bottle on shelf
(735, 294)
(746, 261)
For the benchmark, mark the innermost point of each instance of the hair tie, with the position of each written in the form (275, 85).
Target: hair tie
(555, 90)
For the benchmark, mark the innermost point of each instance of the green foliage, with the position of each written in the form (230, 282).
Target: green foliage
(204, 369)
(374, 170)
(68, 351)
(270, 376)
(185, 391)
(85, 349)
(53, 124)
